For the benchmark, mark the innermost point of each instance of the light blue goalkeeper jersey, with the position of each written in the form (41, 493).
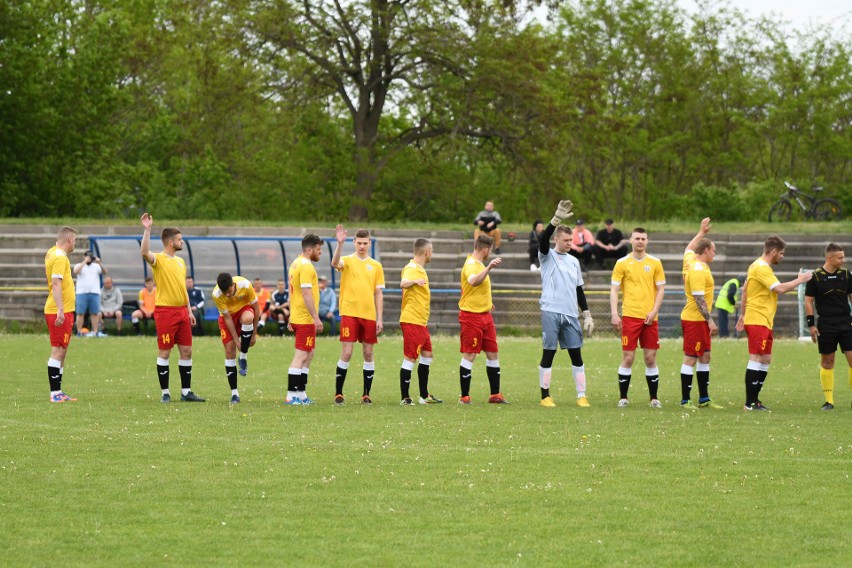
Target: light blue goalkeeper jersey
(560, 276)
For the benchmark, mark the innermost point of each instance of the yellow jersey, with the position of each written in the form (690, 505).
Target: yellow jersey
(57, 265)
(170, 280)
(639, 281)
(761, 301)
(243, 296)
(302, 275)
(697, 281)
(359, 280)
(416, 298)
(476, 299)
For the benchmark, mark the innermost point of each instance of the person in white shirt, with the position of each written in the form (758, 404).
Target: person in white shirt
(88, 275)
(111, 302)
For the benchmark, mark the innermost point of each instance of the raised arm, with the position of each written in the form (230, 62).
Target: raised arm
(147, 222)
(702, 231)
(340, 235)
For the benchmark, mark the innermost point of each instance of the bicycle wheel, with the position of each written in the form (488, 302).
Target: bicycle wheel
(780, 212)
(827, 210)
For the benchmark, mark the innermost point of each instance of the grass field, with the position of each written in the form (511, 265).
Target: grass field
(118, 479)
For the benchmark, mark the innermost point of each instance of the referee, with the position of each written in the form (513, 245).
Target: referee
(831, 290)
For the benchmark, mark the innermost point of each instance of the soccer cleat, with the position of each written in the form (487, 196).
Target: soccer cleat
(760, 406)
(243, 363)
(406, 402)
(464, 400)
(365, 399)
(755, 406)
(583, 402)
(622, 402)
(430, 400)
(497, 399)
(66, 398)
(548, 402)
(827, 406)
(235, 399)
(60, 397)
(191, 397)
(307, 400)
(655, 403)
(688, 405)
(167, 398)
(339, 400)
(293, 402)
(710, 404)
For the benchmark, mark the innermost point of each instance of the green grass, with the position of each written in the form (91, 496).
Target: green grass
(118, 479)
(522, 228)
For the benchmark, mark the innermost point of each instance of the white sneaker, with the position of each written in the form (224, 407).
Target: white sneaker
(533, 268)
(655, 403)
(622, 402)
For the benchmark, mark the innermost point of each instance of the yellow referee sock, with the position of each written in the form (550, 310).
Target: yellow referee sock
(826, 378)
(850, 377)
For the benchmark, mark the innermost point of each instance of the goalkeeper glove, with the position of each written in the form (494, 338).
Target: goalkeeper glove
(563, 211)
(588, 323)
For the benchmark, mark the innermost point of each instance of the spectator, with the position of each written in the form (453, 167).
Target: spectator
(111, 302)
(726, 303)
(532, 250)
(146, 301)
(196, 304)
(263, 297)
(581, 243)
(327, 305)
(280, 306)
(487, 222)
(609, 243)
(88, 275)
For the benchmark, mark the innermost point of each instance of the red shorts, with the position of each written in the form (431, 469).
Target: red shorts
(759, 340)
(634, 332)
(357, 329)
(696, 337)
(415, 338)
(172, 326)
(223, 329)
(60, 335)
(477, 332)
(306, 336)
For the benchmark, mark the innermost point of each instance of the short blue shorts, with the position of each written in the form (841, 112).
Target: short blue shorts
(88, 303)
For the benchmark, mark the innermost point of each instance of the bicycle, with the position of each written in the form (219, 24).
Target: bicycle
(816, 209)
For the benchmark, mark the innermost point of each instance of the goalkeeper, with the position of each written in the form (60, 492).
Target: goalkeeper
(562, 299)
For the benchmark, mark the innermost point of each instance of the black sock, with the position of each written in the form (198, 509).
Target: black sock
(185, 376)
(761, 377)
(423, 379)
(464, 380)
(137, 327)
(294, 381)
(368, 380)
(282, 327)
(163, 375)
(752, 384)
(340, 378)
(623, 384)
(54, 378)
(653, 383)
(231, 373)
(303, 381)
(404, 382)
(545, 393)
(703, 378)
(685, 386)
(493, 378)
(245, 339)
(61, 376)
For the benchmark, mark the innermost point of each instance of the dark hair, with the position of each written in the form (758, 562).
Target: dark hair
(362, 234)
(773, 243)
(420, 245)
(169, 233)
(224, 281)
(536, 223)
(483, 242)
(639, 230)
(310, 241)
(149, 279)
(563, 229)
(833, 247)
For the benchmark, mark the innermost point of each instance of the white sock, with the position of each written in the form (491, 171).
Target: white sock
(544, 377)
(579, 380)
(184, 391)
